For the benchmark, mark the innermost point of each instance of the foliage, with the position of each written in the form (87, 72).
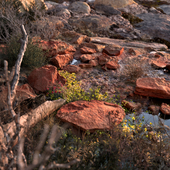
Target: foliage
(34, 55)
(72, 90)
(130, 145)
(144, 145)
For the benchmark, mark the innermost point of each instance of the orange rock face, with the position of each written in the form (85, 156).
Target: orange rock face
(87, 50)
(153, 87)
(25, 91)
(112, 65)
(91, 115)
(165, 109)
(54, 47)
(62, 60)
(42, 77)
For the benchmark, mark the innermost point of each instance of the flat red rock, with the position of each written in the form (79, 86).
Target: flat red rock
(91, 115)
(153, 87)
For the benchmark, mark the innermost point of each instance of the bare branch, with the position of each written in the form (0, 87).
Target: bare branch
(24, 42)
(9, 101)
(41, 144)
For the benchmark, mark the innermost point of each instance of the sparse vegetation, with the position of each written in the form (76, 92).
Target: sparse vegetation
(130, 145)
(34, 55)
(134, 68)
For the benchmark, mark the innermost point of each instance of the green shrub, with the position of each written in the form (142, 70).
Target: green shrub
(33, 57)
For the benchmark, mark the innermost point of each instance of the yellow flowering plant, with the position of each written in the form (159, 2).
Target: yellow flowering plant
(72, 90)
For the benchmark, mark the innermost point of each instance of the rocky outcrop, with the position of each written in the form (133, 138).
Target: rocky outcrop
(107, 10)
(115, 3)
(54, 47)
(157, 26)
(153, 87)
(41, 78)
(126, 43)
(91, 115)
(93, 22)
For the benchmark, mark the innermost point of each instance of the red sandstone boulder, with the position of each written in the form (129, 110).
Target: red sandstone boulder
(94, 63)
(86, 65)
(131, 105)
(103, 59)
(113, 50)
(87, 50)
(54, 47)
(87, 57)
(22, 93)
(61, 60)
(159, 61)
(165, 109)
(91, 115)
(153, 87)
(112, 65)
(72, 69)
(41, 78)
(25, 91)
(97, 47)
(78, 39)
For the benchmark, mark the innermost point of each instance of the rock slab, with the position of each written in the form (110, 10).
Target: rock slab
(153, 87)
(91, 115)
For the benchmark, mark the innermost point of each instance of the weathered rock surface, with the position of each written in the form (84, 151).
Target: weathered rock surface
(72, 69)
(165, 109)
(61, 61)
(153, 87)
(134, 9)
(92, 22)
(126, 43)
(80, 7)
(91, 115)
(115, 3)
(41, 78)
(165, 9)
(155, 25)
(113, 50)
(107, 10)
(131, 105)
(54, 47)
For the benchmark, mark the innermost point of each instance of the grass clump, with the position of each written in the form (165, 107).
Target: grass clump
(33, 57)
(72, 90)
(134, 69)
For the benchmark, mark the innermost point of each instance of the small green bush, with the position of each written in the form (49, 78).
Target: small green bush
(33, 57)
